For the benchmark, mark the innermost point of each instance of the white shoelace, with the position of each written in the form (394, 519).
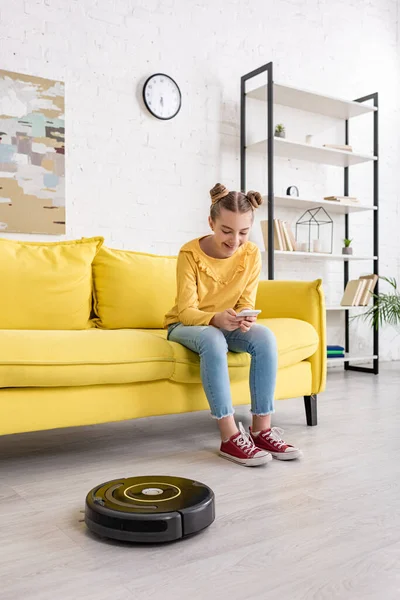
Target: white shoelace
(244, 441)
(275, 434)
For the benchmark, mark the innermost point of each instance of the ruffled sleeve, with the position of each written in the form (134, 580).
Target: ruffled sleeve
(188, 300)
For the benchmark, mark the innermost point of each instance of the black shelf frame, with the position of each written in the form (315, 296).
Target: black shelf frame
(270, 150)
(268, 69)
(347, 366)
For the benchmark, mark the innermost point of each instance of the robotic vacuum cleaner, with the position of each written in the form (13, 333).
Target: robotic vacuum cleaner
(149, 509)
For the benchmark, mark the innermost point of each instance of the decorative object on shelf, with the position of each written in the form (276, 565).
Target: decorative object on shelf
(335, 351)
(347, 248)
(280, 131)
(359, 291)
(32, 157)
(386, 308)
(162, 96)
(292, 191)
(283, 236)
(343, 199)
(317, 246)
(311, 221)
(309, 139)
(343, 147)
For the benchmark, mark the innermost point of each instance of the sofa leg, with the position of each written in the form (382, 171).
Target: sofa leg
(310, 404)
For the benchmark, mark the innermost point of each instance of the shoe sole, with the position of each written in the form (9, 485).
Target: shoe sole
(287, 455)
(248, 462)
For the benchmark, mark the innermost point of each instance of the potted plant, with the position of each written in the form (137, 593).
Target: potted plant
(386, 308)
(280, 131)
(347, 249)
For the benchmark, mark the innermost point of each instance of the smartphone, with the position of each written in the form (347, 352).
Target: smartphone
(248, 313)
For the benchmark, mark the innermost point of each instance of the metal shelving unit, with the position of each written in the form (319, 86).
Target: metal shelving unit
(273, 93)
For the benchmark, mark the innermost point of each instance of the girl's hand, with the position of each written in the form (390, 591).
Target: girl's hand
(226, 320)
(246, 323)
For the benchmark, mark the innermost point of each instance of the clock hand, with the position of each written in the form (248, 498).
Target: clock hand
(162, 101)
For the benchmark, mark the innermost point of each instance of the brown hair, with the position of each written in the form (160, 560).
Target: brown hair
(221, 197)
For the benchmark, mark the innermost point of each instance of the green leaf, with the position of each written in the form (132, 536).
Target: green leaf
(386, 307)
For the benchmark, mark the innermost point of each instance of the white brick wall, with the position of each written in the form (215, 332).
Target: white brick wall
(143, 183)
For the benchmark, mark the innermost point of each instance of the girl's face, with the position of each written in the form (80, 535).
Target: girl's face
(231, 230)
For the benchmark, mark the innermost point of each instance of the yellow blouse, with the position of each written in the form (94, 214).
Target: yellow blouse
(206, 285)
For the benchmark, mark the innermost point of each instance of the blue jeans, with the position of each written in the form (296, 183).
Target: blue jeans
(212, 345)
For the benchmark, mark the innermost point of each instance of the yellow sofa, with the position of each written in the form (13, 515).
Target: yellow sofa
(120, 365)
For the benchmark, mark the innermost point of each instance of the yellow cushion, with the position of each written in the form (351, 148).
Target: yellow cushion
(297, 341)
(31, 409)
(46, 285)
(131, 289)
(76, 358)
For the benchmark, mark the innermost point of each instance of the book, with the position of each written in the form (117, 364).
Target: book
(264, 230)
(335, 351)
(343, 199)
(371, 283)
(350, 293)
(279, 236)
(358, 291)
(283, 236)
(287, 240)
(345, 147)
(291, 236)
(362, 284)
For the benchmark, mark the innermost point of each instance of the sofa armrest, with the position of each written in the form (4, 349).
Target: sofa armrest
(298, 300)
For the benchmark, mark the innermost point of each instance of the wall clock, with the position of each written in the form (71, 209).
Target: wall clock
(162, 96)
(292, 191)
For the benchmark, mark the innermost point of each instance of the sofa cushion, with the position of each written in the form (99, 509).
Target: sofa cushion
(296, 339)
(131, 289)
(46, 285)
(75, 358)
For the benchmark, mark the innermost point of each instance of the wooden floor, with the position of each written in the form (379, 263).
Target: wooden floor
(324, 528)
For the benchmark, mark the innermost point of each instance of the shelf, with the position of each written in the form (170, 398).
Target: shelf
(317, 154)
(329, 106)
(350, 358)
(333, 207)
(322, 255)
(326, 112)
(337, 308)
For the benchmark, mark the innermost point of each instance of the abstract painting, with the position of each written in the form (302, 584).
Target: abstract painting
(32, 154)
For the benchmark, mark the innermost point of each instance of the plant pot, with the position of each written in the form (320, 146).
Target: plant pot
(280, 134)
(347, 250)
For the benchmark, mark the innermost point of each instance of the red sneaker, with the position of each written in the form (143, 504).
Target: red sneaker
(271, 441)
(241, 449)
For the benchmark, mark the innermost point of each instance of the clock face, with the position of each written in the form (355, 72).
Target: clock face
(162, 96)
(292, 191)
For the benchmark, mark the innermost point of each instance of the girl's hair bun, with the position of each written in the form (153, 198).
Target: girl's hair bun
(218, 191)
(254, 198)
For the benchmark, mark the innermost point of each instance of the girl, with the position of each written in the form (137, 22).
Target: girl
(217, 277)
